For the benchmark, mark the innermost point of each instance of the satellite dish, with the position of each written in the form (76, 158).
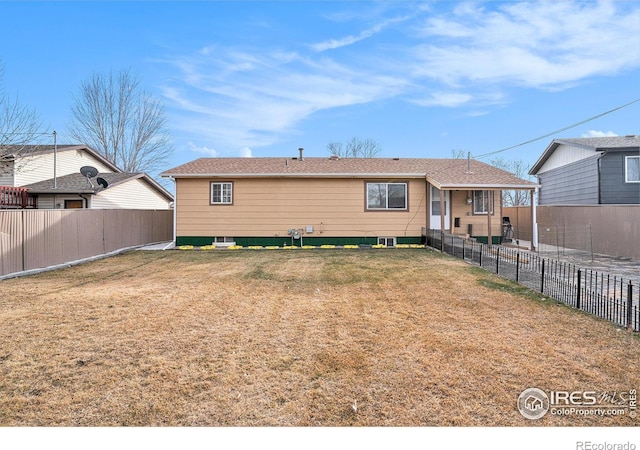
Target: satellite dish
(102, 182)
(89, 172)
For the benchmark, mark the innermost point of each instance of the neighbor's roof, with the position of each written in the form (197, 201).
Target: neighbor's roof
(76, 183)
(23, 151)
(597, 144)
(443, 173)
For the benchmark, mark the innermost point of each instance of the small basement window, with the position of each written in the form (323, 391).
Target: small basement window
(223, 241)
(388, 241)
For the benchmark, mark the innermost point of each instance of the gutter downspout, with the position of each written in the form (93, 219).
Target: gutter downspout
(55, 157)
(599, 178)
(55, 163)
(86, 201)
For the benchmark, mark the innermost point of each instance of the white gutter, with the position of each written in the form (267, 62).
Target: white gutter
(481, 187)
(293, 175)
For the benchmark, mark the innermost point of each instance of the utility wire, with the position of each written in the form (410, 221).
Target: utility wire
(27, 134)
(558, 131)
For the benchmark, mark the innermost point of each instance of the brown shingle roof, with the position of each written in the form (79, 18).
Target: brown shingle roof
(76, 183)
(446, 173)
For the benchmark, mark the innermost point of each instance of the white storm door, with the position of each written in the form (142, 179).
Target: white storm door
(434, 209)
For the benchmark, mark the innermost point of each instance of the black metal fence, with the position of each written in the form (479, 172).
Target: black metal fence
(607, 296)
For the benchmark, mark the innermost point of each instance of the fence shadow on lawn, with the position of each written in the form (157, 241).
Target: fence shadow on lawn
(607, 296)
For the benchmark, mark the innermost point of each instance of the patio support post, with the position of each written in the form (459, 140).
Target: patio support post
(534, 220)
(442, 210)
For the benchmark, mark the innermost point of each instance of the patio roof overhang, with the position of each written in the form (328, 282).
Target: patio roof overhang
(482, 186)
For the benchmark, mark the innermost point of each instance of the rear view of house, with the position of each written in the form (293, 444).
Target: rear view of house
(290, 201)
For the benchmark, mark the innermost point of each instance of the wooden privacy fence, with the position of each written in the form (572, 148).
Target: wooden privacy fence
(521, 221)
(33, 239)
(605, 229)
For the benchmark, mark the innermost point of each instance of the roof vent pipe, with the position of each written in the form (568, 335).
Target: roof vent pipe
(301, 150)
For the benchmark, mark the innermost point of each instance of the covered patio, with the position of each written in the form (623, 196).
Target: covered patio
(471, 201)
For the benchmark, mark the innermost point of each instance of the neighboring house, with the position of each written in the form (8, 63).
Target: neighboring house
(273, 201)
(45, 177)
(589, 171)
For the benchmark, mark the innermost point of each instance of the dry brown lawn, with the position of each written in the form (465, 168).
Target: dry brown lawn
(294, 338)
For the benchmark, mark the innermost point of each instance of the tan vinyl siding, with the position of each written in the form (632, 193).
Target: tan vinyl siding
(134, 194)
(269, 207)
(479, 221)
(40, 167)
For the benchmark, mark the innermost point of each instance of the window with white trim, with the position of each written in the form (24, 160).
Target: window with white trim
(387, 241)
(482, 202)
(386, 196)
(221, 193)
(632, 169)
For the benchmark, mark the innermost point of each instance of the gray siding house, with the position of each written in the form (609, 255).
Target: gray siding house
(589, 171)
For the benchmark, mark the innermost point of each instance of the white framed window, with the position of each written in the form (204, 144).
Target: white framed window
(632, 169)
(388, 241)
(386, 196)
(222, 193)
(222, 240)
(482, 202)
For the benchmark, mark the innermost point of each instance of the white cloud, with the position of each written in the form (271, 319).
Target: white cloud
(254, 106)
(332, 44)
(448, 99)
(202, 149)
(343, 42)
(246, 152)
(596, 133)
(468, 56)
(534, 44)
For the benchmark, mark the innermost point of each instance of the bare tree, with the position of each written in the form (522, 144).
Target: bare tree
(355, 148)
(19, 125)
(459, 154)
(520, 170)
(123, 122)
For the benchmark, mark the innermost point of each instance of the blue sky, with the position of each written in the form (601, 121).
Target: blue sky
(264, 78)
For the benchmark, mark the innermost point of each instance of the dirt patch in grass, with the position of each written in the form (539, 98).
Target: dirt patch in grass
(305, 338)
